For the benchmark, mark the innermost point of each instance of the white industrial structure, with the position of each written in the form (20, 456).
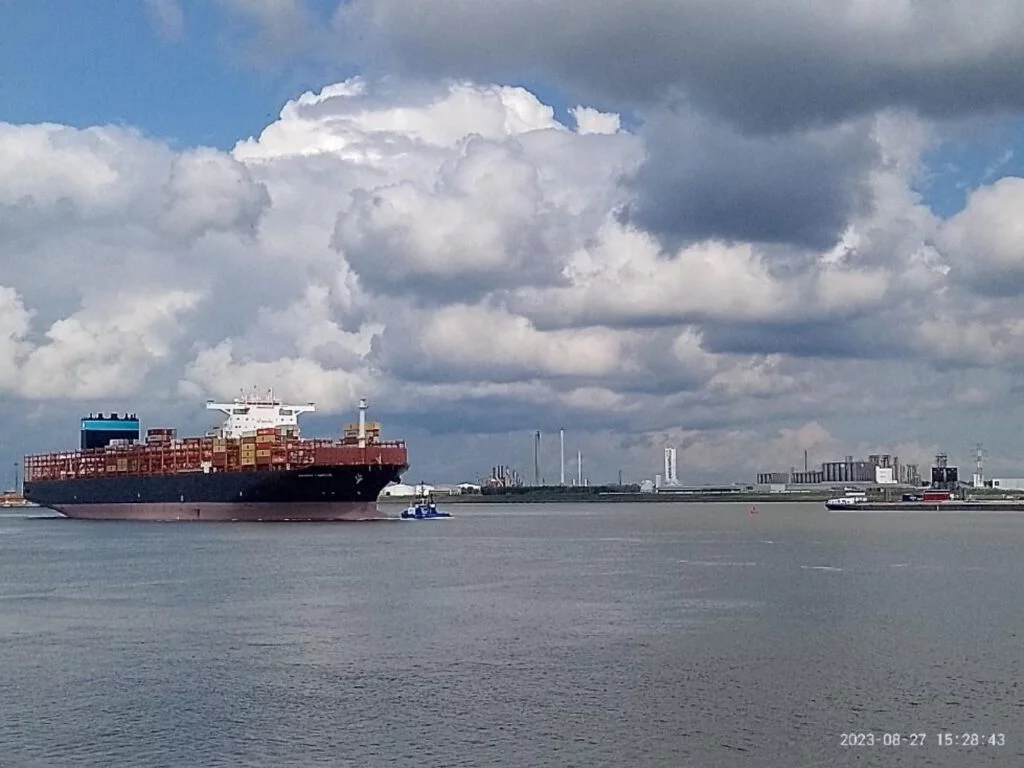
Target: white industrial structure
(561, 443)
(885, 475)
(671, 478)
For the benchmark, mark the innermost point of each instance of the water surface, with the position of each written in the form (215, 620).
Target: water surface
(521, 635)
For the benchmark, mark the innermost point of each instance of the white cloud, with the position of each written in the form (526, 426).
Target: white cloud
(590, 120)
(486, 342)
(92, 173)
(986, 239)
(372, 123)
(101, 351)
(218, 372)
(167, 18)
(455, 253)
(484, 221)
(14, 327)
(622, 278)
(208, 190)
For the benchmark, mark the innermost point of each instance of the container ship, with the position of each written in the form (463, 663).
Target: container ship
(254, 467)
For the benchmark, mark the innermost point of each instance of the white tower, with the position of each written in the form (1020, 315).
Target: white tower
(579, 467)
(670, 467)
(561, 443)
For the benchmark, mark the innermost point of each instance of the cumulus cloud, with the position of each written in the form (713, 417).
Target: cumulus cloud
(214, 373)
(99, 172)
(590, 120)
(985, 241)
(101, 351)
(485, 221)
(623, 279)
(477, 343)
(379, 122)
(208, 190)
(479, 267)
(14, 327)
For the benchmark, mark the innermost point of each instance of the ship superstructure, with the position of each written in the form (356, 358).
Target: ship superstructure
(255, 466)
(249, 413)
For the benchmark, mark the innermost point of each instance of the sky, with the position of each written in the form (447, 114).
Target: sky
(744, 229)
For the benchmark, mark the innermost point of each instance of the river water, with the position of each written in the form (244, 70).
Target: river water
(586, 635)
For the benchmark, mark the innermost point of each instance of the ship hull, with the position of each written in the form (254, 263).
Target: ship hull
(226, 512)
(316, 493)
(921, 506)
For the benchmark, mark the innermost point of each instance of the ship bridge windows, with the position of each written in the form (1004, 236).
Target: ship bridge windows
(240, 411)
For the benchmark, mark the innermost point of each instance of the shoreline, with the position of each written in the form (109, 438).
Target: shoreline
(615, 498)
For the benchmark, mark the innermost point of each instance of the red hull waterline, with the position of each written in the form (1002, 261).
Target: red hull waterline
(352, 511)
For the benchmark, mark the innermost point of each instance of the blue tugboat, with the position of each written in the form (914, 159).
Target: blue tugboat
(424, 509)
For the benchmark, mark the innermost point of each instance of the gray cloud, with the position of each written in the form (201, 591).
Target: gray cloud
(769, 65)
(269, 31)
(703, 180)
(860, 338)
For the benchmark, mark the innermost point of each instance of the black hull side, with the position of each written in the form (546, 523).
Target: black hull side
(309, 485)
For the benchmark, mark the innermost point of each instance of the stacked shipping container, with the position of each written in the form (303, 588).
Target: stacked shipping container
(269, 449)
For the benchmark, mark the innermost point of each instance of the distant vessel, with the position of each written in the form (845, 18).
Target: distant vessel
(424, 509)
(850, 500)
(928, 501)
(11, 499)
(255, 467)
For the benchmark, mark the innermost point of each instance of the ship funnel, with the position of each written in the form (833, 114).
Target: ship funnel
(362, 422)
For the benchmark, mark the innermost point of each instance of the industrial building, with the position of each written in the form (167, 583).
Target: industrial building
(944, 476)
(1005, 483)
(878, 469)
(503, 477)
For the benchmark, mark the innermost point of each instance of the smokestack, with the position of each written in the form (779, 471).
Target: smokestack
(805, 459)
(579, 467)
(561, 443)
(536, 457)
(362, 422)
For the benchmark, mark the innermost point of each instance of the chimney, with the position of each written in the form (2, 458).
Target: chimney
(362, 422)
(561, 443)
